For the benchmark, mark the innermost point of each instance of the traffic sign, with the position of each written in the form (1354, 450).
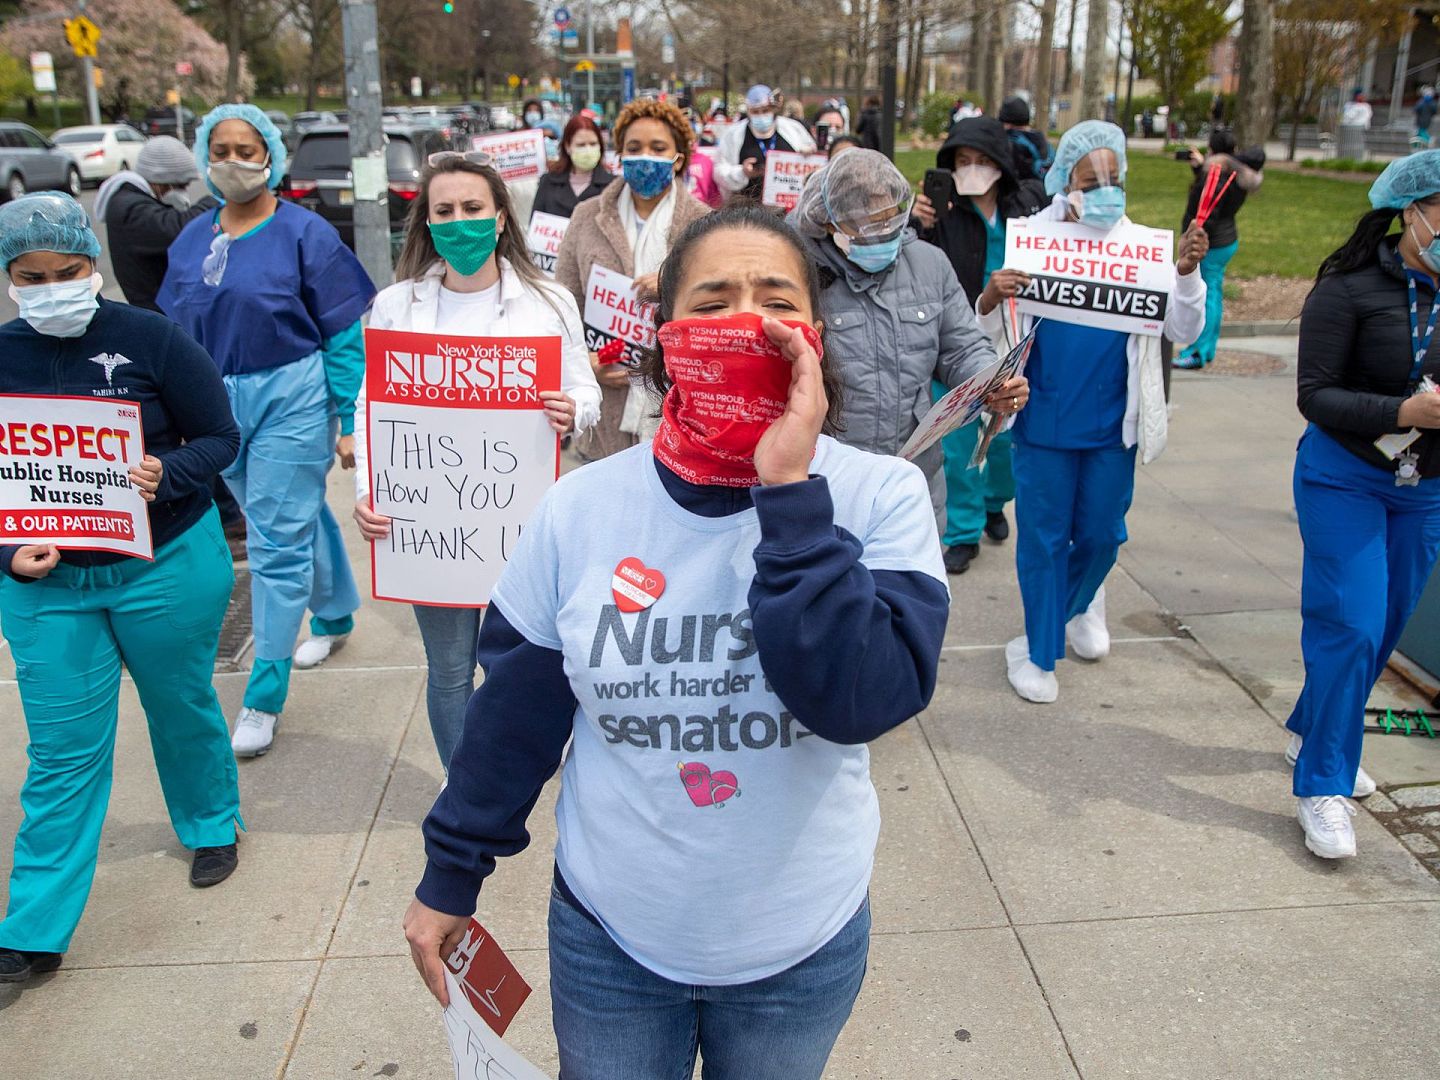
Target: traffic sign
(513, 81)
(562, 17)
(184, 67)
(584, 65)
(42, 70)
(83, 35)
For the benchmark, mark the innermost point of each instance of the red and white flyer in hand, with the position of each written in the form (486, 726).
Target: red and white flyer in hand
(785, 176)
(485, 994)
(64, 474)
(519, 155)
(460, 454)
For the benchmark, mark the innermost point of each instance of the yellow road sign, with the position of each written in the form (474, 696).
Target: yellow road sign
(584, 65)
(83, 35)
(514, 81)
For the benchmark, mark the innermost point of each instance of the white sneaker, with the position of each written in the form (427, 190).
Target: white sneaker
(1087, 633)
(314, 651)
(1326, 821)
(1363, 784)
(254, 732)
(1029, 681)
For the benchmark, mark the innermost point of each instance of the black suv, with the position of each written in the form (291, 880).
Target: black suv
(319, 178)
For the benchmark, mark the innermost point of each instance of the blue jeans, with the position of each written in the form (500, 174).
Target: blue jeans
(615, 1019)
(1369, 549)
(449, 634)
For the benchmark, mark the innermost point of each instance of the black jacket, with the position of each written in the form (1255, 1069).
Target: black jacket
(556, 196)
(1220, 225)
(958, 230)
(140, 229)
(1033, 156)
(1355, 357)
(868, 130)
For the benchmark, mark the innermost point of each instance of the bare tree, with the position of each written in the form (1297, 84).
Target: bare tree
(997, 40)
(1255, 103)
(1092, 96)
(1044, 66)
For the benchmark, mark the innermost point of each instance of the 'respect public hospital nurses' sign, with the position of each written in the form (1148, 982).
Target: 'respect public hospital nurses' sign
(65, 474)
(460, 453)
(1117, 280)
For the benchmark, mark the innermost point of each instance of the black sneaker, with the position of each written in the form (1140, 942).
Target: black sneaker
(957, 558)
(16, 965)
(996, 527)
(213, 865)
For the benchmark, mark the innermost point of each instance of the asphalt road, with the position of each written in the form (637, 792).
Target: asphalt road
(110, 290)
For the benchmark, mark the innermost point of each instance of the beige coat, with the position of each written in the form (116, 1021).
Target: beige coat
(596, 235)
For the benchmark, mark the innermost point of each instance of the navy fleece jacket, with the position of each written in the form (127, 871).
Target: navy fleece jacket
(850, 651)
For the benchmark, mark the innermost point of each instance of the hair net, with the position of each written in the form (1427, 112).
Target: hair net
(1407, 179)
(849, 191)
(1084, 138)
(759, 96)
(252, 115)
(48, 221)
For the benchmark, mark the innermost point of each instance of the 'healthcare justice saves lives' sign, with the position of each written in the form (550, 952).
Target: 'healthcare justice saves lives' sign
(460, 454)
(543, 240)
(1116, 280)
(612, 311)
(519, 155)
(64, 474)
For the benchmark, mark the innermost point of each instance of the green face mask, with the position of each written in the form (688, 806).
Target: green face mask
(464, 244)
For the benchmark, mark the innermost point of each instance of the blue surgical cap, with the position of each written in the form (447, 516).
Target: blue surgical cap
(1407, 179)
(758, 96)
(48, 221)
(1084, 138)
(252, 115)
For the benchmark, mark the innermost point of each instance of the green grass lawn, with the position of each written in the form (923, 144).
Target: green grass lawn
(1286, 228)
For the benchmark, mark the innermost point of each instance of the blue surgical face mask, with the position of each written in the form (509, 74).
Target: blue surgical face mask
(870, 257)
(62, 309)
(762, 125)
(1429, 253)
(1101, 207)
(648, 176)
(552, 149)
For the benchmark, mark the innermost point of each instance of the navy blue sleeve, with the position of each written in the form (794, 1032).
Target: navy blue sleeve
(7, 561)
(850, 651)
(516, 727)
(199, 411)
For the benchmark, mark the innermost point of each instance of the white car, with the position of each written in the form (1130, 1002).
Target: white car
(100, 151)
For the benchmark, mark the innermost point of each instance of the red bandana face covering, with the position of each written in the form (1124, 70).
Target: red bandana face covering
(731, 382)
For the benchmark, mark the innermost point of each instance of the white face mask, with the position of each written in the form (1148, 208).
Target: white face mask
(62, 309)
(975, 179)
(240, 181)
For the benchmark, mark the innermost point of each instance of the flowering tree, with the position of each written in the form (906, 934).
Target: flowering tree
(139, 48)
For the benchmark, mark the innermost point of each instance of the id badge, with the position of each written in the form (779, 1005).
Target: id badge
(1407, 469)
(1396, 443)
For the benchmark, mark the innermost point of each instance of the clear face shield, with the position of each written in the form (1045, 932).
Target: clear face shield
(1096, 190)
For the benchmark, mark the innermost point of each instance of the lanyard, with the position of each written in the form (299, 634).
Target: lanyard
(1419, 348)
(766, 145)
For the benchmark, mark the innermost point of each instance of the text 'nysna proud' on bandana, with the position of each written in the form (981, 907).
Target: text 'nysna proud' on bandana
(731, 382)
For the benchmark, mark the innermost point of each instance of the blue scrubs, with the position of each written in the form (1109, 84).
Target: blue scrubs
(278, 308)
(1074, 478)
(971, 494)
(1369, 550)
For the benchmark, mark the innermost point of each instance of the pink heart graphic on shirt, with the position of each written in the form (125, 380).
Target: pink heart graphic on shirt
(706, 788)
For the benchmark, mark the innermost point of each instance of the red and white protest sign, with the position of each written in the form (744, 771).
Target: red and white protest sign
(613, 313)
(486, 991)
(785, 175)
(519, 155)
(64, 474)
(460, 454)
(543, 240)
(1117, 280)
(963, 404)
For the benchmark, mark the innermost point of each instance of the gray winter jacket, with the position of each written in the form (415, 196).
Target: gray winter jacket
(888, 335)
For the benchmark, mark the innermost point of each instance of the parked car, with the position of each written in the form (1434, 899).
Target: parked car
(442, 120)
(31, 162)
(287, 129)
(100, 151)
(304, 121)
(161, 121)
(320, 179)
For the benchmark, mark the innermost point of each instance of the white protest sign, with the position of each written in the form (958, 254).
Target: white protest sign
(519, 155)
(460, 454)
(963, 404)
(64, 474)
(785, 175)
(479, 1053)
(612, 312)
(1117, 280)
(543, 240)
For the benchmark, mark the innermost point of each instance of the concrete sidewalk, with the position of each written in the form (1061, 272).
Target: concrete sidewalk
(1113, 886)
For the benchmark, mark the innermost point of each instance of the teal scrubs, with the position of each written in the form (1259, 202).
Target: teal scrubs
(70, 633)
(972, 494)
